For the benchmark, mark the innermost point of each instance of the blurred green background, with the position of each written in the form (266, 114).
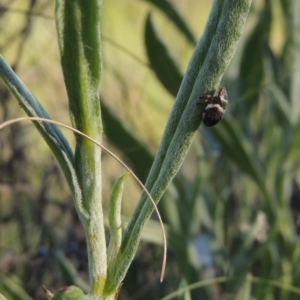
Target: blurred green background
(233, 209)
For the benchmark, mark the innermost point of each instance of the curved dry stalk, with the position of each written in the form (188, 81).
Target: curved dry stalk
(17, 120)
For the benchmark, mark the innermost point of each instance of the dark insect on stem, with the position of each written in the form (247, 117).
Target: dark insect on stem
(215, 108)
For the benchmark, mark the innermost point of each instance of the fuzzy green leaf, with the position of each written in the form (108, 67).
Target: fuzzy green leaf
(50, 132)
(78, 26)
(115, 221)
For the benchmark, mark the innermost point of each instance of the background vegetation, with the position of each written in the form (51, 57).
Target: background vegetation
(233, 210)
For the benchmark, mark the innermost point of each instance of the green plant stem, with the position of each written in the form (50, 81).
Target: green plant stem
(78, 26)
(206, 68)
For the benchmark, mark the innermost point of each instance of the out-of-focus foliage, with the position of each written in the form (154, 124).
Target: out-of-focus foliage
(232, 211)
(247, 181)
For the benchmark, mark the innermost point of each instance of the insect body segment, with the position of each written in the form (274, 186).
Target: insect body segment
(215, 109)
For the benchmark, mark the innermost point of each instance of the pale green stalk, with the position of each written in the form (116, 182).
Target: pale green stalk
(206, 68)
